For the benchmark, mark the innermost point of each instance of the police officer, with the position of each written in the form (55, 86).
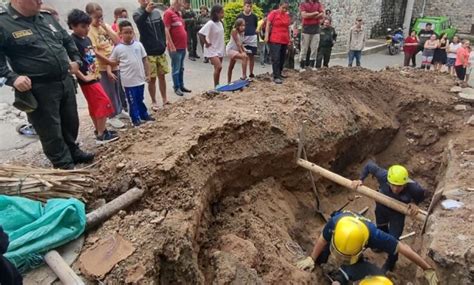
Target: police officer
(345, 237)
(42, 56)
(395, 184)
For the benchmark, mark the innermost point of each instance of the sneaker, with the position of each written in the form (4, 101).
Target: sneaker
(186, 90)
(314, 68)
(136, 123)
(116, 123)
(79, 156)
(196, 56)
(123, 115)
(192, 58)
(105, 131)
(278, 81)
(106, 137)
(178, 92)
(149, 119)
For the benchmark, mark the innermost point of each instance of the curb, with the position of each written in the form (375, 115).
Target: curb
(369, 50)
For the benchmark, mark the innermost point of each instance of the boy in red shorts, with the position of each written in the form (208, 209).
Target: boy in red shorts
(98, 102)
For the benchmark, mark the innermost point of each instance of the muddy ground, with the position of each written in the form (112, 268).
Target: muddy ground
(221, 168)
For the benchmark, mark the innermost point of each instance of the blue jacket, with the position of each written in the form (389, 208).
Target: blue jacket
(378, 239)
(412, 192)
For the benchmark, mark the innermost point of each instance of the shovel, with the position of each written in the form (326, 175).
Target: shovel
(302, 153)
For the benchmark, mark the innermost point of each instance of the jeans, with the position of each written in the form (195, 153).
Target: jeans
(135, 97)
(357, 54)
(324, 55)
(392, 223)
(277, 54)
(177, 68)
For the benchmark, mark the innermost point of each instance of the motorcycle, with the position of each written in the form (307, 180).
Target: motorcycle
(394, 41)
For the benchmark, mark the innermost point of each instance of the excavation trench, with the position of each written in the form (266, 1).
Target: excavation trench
(237, 206)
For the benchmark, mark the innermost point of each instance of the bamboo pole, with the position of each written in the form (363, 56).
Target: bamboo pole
(364, 190)
(62, 270)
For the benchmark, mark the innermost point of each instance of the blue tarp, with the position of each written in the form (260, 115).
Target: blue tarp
(35, 228)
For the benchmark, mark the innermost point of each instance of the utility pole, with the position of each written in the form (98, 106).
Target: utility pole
(408, 15)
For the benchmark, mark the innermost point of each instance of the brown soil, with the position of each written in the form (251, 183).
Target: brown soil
(222, 169)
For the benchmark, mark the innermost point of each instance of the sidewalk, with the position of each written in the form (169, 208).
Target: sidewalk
(372, 46)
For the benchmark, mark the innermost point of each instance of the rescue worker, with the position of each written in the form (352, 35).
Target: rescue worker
(346, 235)
(396, 184)
(42, 57)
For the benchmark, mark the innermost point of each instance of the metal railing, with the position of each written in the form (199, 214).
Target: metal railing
(209, 3)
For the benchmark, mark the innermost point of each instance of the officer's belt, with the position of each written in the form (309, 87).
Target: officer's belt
(48, 79)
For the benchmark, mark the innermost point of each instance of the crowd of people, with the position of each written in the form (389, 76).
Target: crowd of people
(456, 55)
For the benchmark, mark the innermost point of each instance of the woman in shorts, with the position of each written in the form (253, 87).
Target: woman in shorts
(235, 49)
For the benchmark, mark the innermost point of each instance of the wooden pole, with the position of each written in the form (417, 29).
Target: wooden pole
(364, 190)
(94, 218)
(62, 270)
(103, 213)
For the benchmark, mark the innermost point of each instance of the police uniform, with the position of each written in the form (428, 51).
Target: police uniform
(38, 47)
(378, 240)
(389, 220)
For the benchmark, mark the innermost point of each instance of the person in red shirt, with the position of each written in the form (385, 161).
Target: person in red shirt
(312, 12)
(177, 42)
(277, 36)
(410, 48)
(462, 60)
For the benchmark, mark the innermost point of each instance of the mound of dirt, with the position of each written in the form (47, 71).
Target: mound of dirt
(223, 169)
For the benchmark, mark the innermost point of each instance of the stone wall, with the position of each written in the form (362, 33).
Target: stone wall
(461, 12)
(378, 15)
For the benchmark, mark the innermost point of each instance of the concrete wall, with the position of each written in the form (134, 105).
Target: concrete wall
(461, 12)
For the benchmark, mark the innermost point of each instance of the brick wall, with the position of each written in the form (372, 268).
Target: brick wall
(461, 12)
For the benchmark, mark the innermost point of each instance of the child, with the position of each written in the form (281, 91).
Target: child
(103, 40)
(251, 39)
(202, 19)
(212, 35)
(98, 102)
(119, 15)
(235, 49)
(135, 71)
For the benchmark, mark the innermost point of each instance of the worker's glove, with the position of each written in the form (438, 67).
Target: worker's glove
(412, 210)
(430, 276)
(305, 264)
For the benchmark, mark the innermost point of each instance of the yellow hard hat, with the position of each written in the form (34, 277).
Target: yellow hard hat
(350, 236)
(397, 175)
(376, 280)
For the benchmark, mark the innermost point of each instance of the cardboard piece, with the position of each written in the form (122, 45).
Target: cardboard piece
(99, 259)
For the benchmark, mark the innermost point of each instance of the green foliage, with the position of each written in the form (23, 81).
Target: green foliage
(232, 10)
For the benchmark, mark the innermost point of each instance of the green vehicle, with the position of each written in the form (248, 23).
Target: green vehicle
(441, 25)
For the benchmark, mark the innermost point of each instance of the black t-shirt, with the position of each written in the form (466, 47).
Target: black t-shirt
(424, 35)
(84, 45)
(251, 22)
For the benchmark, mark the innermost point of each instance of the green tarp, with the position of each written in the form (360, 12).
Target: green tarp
(35, 228)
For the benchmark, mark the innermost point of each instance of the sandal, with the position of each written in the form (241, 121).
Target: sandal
(155, 107)
(26, 130)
